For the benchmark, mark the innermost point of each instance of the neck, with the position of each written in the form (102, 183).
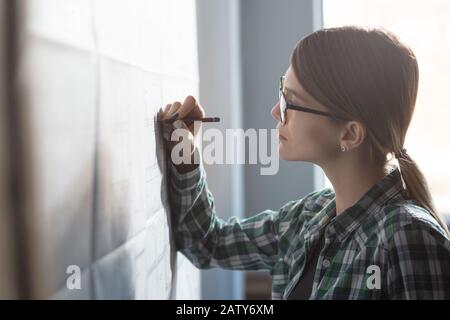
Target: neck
(351, 180)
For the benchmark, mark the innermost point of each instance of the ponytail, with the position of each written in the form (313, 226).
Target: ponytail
(417, 186)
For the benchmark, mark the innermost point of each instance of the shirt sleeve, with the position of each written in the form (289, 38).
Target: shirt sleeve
(209, 241)
(419, 263)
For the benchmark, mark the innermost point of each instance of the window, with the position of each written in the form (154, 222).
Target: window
(425, 27)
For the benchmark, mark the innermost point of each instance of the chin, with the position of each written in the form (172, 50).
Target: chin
(285, 155)
(291, 158)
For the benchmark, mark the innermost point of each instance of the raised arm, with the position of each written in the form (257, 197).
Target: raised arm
(209, 241)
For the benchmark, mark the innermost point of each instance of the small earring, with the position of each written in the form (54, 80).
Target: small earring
(343, 148)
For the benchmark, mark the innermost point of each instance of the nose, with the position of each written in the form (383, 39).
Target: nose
(276, 112)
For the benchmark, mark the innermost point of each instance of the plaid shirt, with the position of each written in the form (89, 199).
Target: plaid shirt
(382, 247)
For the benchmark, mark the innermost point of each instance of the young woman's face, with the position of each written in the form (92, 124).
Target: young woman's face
(305, 136)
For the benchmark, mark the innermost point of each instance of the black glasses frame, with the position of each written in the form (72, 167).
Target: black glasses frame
(299, 108)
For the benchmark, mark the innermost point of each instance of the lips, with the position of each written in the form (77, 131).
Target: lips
(282, 137)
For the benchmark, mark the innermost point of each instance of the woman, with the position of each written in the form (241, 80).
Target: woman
(345, 104)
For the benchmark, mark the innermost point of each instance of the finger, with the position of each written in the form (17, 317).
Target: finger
(173, 108)
(159, 114)
(188, 106)
(196, 113)
(164, 112)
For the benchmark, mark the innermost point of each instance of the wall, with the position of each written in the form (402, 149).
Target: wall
(244, 47)
(219, 50)
(270, 31)
(9, 286)
(95, 74)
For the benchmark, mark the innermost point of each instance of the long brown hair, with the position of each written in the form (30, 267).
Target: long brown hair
(369, 75)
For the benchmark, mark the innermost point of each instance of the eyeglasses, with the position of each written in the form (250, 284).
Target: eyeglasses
(284, 105)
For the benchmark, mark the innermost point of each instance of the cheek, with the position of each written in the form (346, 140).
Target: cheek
(319, 133)
(312, 135)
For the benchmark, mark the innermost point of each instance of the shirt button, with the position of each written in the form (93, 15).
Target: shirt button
(326, 263)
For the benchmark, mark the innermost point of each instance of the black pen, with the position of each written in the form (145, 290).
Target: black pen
(206, 119)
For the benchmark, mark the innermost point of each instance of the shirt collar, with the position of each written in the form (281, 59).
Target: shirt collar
(344, 223)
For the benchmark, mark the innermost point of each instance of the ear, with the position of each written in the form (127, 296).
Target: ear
(353, 133)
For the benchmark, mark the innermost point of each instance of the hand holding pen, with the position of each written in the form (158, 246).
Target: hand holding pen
(188, 112)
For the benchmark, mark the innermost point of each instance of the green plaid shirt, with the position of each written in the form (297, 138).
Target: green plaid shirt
(382, 247)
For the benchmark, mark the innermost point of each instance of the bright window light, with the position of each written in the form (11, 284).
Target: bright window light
(425, 27)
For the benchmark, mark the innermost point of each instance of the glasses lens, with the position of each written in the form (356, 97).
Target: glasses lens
(282, 107)
(282, 101)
